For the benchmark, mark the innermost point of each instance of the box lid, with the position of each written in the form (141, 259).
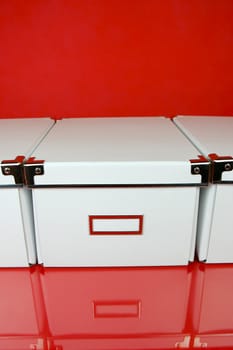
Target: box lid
(115, 151)
(213, 136)
(18, 139)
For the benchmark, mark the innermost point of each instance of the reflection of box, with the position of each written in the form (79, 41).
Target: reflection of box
(213, 136)
(116, 192)
(213, 306)
(132, 308)
(19, 321)
(18, 138)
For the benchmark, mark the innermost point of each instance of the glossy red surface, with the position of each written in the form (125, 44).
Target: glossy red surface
(116, 308)
(110, 57)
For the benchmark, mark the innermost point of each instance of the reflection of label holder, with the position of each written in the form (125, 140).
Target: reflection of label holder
(220, 164)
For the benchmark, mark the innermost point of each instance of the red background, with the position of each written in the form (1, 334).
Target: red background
(115, 57)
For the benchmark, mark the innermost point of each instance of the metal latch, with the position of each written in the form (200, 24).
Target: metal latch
(32, 167)
(201, 166)
(219, 165)
(14, 168)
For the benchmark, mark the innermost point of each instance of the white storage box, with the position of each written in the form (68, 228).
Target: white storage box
(116, 192)
(213, 136)
(18, 138)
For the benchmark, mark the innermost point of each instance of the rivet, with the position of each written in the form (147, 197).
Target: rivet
(38, 171)
(7, 171)
(227, 167)
(196, 170)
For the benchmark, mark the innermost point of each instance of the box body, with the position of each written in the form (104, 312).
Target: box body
(18, 138)
(113, 193)
(13, 251)
(213, 137)
(65, 236)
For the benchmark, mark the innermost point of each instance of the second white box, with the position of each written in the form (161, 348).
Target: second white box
(116, 192)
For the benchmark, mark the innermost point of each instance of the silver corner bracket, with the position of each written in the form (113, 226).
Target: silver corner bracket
(201, 166)
(220, 164)
(32, 167)
(14, 167)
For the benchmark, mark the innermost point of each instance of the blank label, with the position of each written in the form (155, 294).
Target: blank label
(116, 224)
